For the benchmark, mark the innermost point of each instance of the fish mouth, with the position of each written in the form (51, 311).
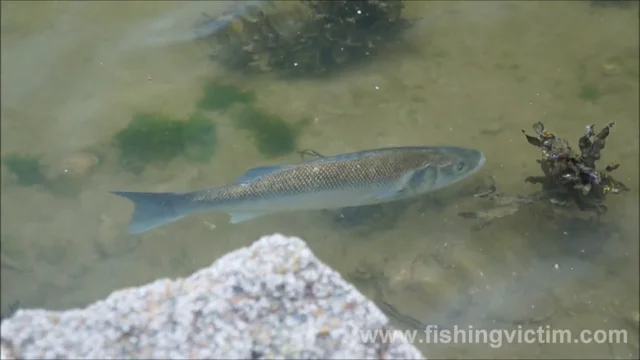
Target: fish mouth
(474, 158)
(481, 159)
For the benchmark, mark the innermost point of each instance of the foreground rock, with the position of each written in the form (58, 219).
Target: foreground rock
(274, 299)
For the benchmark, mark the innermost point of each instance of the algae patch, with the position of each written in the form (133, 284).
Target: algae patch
(590, 93)
(219, 96)
(153, 137)
(61, 174)
(26, 168)
(273, 135)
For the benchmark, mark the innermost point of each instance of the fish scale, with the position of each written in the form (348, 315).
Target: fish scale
(323, 176)
(346, 180)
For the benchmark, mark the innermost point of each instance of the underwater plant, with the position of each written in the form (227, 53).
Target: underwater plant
(302, 38)
(61, 174)
(273, 135)
(26, 168)
(159, 138)
(569, 177)
(590, 93)
(199, 138)
(219, 96)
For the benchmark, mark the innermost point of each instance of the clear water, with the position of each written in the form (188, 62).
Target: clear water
(74, 73)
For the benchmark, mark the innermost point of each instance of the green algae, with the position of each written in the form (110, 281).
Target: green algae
(219, 96)
(272, 134)
(26, 168)
(590, 92)
(153, 137)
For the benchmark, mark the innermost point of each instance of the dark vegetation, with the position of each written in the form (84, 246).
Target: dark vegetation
(272, 135)
(220, 96)
(303, 38)
(26, 168)
(153, 137)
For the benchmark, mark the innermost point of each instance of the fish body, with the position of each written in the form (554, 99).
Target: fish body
(347, 180)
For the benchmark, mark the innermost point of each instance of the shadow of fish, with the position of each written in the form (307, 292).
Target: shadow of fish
(347, 180)
(383, 217)
(365, 220)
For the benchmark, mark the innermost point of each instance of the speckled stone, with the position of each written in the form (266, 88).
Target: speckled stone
(274, 299)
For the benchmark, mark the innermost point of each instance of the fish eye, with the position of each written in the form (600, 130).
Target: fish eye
(460, 165)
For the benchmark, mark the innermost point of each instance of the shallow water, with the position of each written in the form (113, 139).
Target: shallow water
(74, 73)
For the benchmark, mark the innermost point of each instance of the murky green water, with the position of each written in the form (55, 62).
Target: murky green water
(74, 74)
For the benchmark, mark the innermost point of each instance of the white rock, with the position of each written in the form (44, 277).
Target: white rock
(274, 299)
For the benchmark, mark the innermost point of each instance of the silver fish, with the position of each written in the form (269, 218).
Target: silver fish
(347, 180)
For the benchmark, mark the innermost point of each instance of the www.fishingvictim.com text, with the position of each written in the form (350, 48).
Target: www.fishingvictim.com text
(495, 338)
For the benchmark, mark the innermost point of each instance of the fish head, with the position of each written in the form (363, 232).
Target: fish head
(454, 164)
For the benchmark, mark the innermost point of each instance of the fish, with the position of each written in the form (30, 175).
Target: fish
(346, 180)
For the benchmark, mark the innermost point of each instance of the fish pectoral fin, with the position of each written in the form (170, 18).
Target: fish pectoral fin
(397, 189)
(241, 217)
(408, 183)
(421, 177)
(258, 172)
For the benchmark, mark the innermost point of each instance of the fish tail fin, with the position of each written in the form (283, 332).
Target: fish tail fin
(152, 210)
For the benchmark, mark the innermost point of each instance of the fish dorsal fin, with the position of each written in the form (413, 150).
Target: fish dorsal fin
(258, 172)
